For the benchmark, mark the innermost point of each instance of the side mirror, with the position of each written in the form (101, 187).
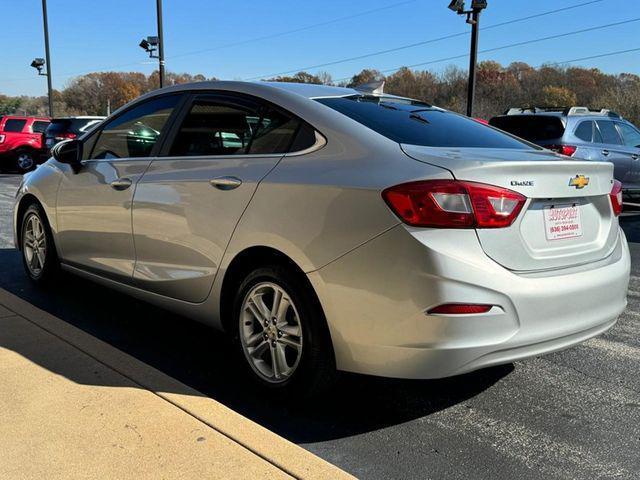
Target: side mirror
(69, 152)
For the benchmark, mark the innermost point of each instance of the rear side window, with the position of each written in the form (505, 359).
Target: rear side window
(220, 127)
(630, 135)
(58, 126)
(135, 132)
(14, 125)
(531, 127)
(417, 123)
(39, 127)
(585, 131)
(608, 132)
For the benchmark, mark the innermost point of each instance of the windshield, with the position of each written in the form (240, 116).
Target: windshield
(418, 123)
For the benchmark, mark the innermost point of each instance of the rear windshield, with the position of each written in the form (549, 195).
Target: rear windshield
(530, 127)
(14, 125)
(417, 123)
(69, 125)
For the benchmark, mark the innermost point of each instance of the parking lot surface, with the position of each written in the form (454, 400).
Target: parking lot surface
(572, 414)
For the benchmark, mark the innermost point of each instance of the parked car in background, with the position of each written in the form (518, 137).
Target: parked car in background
(21, 141)
(65, 128)
(579, 132)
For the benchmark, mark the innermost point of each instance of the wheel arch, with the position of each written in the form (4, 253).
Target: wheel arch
(242, 264)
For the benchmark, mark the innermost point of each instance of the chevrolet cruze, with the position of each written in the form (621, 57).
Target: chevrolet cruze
(328, 229)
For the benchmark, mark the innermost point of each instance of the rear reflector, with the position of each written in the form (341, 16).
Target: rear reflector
(567, 150)
(459, 309)
(616, 197)
(454, 204)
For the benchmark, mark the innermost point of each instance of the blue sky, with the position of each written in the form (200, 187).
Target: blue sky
(90, 35)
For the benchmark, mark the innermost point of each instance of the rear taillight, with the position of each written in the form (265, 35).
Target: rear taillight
(616, 197)
(460, 309)
(1, 138)
(567, 150)
(65, 136)
(454, 204)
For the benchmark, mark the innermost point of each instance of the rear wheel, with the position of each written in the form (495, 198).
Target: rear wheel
(282, 333)
(25, 160)
(38, 251)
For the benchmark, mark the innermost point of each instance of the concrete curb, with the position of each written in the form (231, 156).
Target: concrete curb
(286, 456)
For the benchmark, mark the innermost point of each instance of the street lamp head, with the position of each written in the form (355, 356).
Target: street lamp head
(38, 63)
(457, 6)
(479, 4)
(153, 41)
(144, 45)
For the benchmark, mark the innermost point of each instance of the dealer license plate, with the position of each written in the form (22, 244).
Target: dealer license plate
(561, 222)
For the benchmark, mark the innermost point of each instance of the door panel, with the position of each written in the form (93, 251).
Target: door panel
(182, 221)
(94, 218)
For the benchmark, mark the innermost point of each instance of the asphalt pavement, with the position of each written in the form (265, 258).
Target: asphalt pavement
(570, 415)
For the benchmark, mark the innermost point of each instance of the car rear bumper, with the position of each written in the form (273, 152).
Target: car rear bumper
(376, 298)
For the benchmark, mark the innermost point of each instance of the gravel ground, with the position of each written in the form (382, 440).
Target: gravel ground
(569, 415)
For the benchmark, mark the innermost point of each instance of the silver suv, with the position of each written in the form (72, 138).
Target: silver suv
(578, 132)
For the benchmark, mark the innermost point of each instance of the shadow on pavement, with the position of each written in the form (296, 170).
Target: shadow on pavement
(203, 359)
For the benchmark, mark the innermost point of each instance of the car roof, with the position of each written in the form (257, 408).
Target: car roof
(80, 117)
(308, 90)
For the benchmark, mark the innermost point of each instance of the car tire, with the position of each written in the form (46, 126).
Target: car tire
(39, 256)
(25, 160)
(296, 334)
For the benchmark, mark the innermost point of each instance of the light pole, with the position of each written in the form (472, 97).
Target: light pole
(153, 44)
(473, 18)
(47, 56)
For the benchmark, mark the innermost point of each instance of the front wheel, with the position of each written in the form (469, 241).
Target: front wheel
(282, 332)
(38, 251)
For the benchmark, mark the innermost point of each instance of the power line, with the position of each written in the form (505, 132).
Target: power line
(426, 42)
(511, 45)
(591, 57)
(296, 30)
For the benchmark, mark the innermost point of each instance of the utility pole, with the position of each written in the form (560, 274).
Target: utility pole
(473, 60)
(48, 56)
(473, 18)
(161, 43)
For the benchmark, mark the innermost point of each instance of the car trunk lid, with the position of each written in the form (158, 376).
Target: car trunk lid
(565, 222)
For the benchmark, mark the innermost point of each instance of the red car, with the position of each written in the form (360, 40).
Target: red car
(21, 141)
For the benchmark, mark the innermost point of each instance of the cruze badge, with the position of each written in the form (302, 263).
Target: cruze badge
(522, 183)
(579, 181)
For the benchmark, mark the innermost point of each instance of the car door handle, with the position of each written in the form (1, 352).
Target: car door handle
(225, 183)
(121, 183)
(605, 153)
(635, 157)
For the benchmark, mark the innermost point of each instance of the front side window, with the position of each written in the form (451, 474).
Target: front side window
(417, 123)
(14, 125)
(585, 131)
(134, 133)
(630, 135)
(216, 127)
(39, 127)
(608, 132)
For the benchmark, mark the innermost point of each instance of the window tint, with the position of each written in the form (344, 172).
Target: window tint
(14, 125)
(630, 135)
(585, 131)
(608, 132)
(417, 123)
(135, 132)
(305, 138)
(212, 128)
(219, 128)
(275, 133)
(39, 127)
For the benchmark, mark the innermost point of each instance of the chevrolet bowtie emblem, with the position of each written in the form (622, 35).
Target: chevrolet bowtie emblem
(579, 181)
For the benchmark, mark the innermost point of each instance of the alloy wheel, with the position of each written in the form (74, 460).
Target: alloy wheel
(34, 245)
(271, 332)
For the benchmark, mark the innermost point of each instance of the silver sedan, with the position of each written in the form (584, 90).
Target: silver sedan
(330, 229)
